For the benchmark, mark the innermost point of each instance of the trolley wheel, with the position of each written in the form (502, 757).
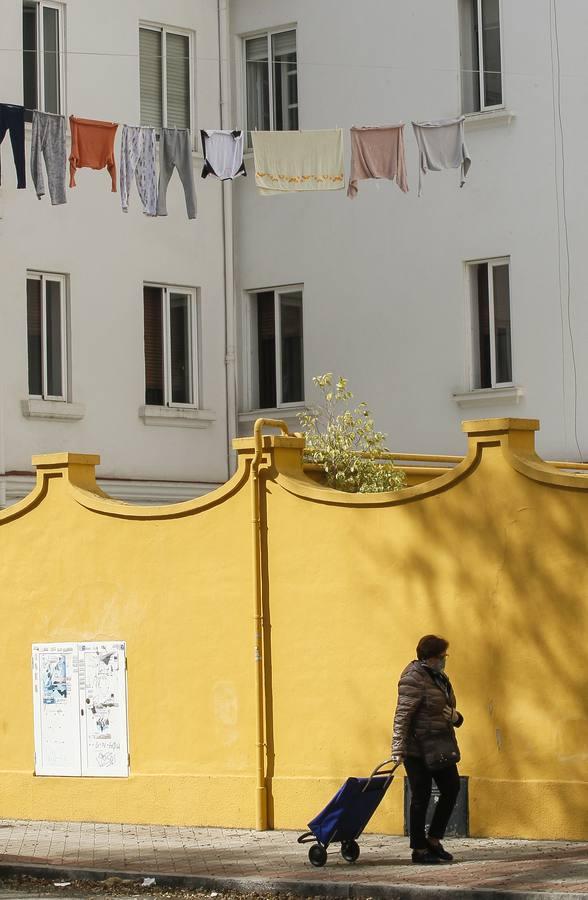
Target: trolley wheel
(317, 855)
(350, 851)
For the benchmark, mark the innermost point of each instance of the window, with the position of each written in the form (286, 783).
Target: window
(277, 376)
(481, 55)
(170, 330)
(490, 317)
(271, 80)
(165, 76)
(42, 42)
(46, 334)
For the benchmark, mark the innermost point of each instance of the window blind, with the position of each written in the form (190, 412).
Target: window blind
(51, 59)
(150, 77)
(283, 43)
(153, 337)
(266, 349)
(491, 51)
(177, 48)
(53, 330)
(285, 87)
(180, 349)
(291, 344)
(258, 106)
(34, 335)
(29, 57)
(470, 64)
(256, 49)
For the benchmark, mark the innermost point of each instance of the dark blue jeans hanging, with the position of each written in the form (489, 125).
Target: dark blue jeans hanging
(12, 120)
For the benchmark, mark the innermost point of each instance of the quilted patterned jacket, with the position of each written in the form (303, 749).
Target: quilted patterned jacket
(422, 696)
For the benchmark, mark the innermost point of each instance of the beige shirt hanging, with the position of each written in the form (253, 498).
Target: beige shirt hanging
(377, 151)
(288, 161)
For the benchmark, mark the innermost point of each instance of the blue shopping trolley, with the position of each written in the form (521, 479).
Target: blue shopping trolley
(344, 818)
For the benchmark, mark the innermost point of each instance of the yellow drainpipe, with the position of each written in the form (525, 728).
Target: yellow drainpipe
(261, 823)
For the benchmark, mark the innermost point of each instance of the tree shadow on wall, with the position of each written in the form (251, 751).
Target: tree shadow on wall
(497, 565)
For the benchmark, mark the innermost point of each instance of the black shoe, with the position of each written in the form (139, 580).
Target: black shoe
(437, 850)
(425, 858)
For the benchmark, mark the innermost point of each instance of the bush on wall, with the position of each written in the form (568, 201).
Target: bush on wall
(345, 443)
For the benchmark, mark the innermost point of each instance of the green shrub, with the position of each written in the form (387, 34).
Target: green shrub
(345, 443)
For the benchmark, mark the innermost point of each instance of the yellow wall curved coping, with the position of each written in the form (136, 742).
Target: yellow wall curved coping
(284, 453)
(79, 473)
(516, 438)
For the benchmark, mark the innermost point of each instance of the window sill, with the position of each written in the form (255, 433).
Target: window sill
(490, 117)
(280, 412)
(490, 396)
(177, 417)
(34, 408)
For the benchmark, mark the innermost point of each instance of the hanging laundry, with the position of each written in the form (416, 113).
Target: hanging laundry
(48, 141)
(377, 151)
(442, 146)
(137, 160)
(92, 147)
(175, 150)
(12, 120)
(223, 154)
(287, 161)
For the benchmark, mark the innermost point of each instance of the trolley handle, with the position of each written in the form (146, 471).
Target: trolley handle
(306, 838)
(380, 770)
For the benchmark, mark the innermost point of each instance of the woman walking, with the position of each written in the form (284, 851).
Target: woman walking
(424, 740)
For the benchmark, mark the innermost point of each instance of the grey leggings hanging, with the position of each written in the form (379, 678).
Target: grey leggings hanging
(175, 150)
(48, 139)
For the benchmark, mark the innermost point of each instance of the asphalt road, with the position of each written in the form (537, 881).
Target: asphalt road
(41, 889)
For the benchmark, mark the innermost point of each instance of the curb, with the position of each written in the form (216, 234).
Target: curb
(308, 888)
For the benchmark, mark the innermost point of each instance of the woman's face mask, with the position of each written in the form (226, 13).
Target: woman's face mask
(438, 663)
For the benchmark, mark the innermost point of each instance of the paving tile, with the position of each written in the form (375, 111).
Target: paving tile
(548, 866)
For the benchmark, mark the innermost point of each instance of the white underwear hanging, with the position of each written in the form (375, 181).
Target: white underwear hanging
(223, 154)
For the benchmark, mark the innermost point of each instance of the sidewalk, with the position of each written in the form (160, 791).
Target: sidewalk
(220, 859)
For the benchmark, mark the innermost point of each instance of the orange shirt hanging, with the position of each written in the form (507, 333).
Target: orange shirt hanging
(92, 147)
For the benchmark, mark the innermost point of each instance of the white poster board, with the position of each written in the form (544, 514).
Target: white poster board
(103, 709)
(56, 699)
(80, 709)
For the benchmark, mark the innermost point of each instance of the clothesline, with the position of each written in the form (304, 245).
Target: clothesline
(313, 160)
(92, 146)
(275, 62)
(285, 161)
(301, 63)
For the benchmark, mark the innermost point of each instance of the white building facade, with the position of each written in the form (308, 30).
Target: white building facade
(112, 330)
(448, 306)
(153, 341)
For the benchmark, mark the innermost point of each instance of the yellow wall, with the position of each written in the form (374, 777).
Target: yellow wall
(175, 586)
(491, 554)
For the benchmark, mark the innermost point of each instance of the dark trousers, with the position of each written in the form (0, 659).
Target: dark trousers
(12, 120)
(421, 782)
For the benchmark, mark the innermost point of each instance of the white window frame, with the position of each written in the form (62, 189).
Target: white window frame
(43, 277)
(184, 32)
(253, 352)
(194, 354)
(483, 108)
(268, 33)
(474, 362)
(50, 4)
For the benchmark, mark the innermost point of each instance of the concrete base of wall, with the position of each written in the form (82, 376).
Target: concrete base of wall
(537, 810)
